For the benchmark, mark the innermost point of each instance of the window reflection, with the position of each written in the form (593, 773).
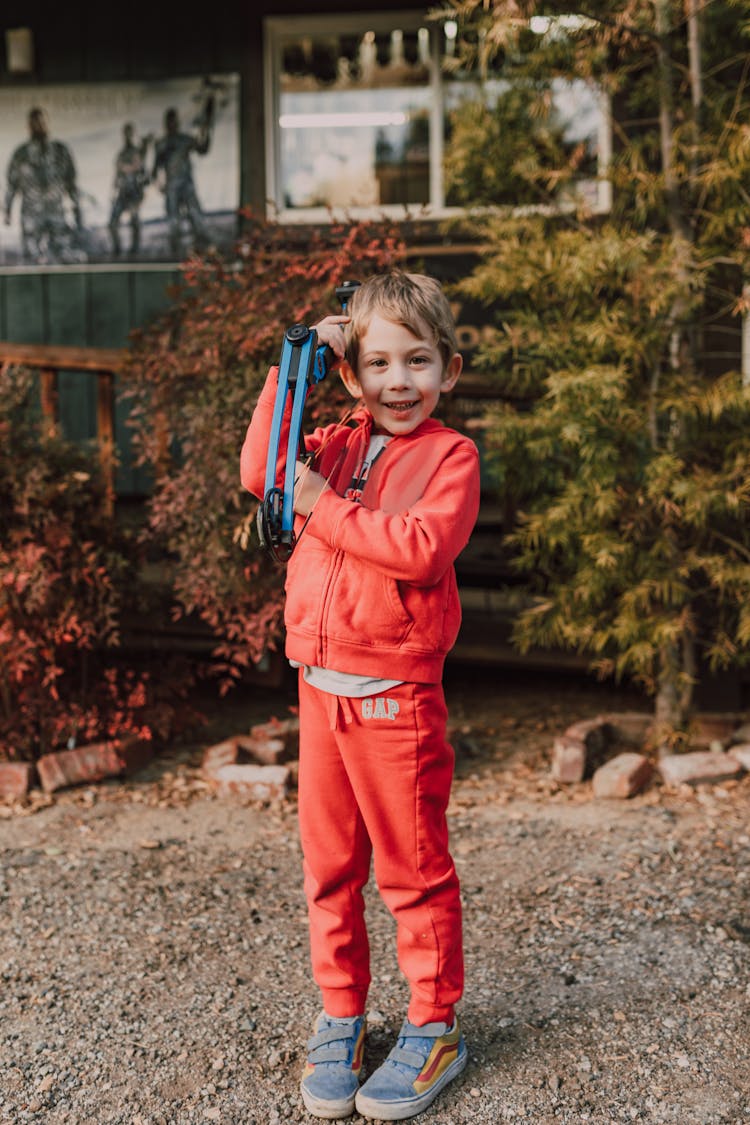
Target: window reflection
(354, 119)
(358, 124)
(543, 125)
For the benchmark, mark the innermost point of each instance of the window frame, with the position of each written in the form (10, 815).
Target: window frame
(277, 28)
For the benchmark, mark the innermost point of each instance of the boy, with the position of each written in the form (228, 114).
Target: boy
(371, 610)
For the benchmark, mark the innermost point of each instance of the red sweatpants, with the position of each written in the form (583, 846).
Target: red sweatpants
(374, 781)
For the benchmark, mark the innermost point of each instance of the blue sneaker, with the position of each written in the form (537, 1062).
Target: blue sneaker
(334, 1060)
(424, 1060)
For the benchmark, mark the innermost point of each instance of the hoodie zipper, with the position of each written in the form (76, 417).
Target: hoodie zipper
(326, 604)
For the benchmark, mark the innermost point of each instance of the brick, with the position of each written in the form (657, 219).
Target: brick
(84, 764)
(705, 730)
(568, 759)
(698, 767)
(741, 734)
(580, 749)
(741, 752)
(622, 776)
(264, 751)
(243, 749)
(250, 782)
(596, 733)
(630, 728)
(222, 754)
(16, 778)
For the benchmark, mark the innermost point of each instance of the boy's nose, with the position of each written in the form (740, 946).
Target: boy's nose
(399, 379)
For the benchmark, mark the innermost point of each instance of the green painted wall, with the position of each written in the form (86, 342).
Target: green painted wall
(85, 309)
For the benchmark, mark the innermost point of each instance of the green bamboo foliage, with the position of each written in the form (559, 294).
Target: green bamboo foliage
(622, 439)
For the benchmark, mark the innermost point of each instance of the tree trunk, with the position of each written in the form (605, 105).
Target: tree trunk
(676, 660)
(669, 710)
(664, 70)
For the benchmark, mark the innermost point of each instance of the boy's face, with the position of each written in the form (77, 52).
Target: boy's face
(400, 376)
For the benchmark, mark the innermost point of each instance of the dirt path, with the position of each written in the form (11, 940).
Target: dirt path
(153, 960)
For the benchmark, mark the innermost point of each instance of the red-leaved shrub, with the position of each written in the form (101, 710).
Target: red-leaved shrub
(193, 377)
(65, 573)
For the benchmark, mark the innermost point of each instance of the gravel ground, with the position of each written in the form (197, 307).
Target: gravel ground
(153, 946)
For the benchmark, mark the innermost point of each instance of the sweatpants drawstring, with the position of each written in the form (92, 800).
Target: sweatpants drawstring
(339, 711)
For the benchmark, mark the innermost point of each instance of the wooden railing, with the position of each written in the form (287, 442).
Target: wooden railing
(103, 364)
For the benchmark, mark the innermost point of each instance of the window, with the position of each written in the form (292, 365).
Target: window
(361, 112)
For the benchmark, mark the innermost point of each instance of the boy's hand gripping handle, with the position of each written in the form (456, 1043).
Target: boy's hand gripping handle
(303, 363)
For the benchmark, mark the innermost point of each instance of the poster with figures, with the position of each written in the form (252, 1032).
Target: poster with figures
(118, 172)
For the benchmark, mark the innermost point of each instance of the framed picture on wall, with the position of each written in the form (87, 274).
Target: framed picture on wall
(123, 173)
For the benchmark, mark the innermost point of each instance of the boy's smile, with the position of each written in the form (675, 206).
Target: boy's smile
(400, 376)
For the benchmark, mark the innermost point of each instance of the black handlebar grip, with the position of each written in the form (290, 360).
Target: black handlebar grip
(345, 290)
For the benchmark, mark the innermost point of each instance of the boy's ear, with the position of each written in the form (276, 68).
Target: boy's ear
(349, 379)
(452, 372)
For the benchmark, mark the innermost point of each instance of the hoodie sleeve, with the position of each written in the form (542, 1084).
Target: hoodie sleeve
(255, 447)
(419, 544)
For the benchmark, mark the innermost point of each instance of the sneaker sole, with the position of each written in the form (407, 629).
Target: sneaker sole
(328, 1110)
(409, 1107)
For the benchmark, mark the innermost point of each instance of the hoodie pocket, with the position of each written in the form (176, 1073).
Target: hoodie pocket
(307, 576)
(365, 607)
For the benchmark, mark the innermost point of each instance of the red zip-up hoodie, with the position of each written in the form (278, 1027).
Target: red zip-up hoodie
(371, 585)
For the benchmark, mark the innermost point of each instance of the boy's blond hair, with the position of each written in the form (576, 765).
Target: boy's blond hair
(412, 299)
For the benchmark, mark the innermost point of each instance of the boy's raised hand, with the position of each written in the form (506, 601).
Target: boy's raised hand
(330, 331)
(308, 486)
